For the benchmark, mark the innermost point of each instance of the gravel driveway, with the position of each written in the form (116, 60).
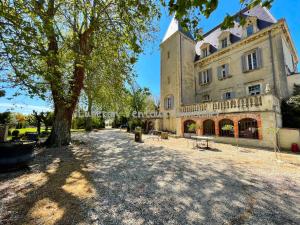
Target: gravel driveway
(122, 182)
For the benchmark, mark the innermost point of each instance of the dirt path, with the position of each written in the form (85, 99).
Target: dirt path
(112, 180)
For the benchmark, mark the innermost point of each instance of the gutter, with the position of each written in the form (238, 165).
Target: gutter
(273, 64)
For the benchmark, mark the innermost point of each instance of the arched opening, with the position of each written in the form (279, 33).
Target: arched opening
(248, 128)
(209, 127)
(226, 128)
(190, 127)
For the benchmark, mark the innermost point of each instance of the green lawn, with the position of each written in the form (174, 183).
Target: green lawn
(28, 129)
(34, 129)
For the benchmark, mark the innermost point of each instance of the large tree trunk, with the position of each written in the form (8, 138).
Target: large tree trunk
(61, 129)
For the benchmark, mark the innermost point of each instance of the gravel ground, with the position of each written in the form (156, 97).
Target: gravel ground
(106, 178)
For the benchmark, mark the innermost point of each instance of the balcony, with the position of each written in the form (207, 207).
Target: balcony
(259, 103)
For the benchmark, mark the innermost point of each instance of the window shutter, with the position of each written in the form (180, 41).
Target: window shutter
(209, 72)
(232, 94)
(224, 96)
(172, 101)
(165, 102)
(227, 69)
(244, 65)
(220, 73)
(259, 57)
(200, 77)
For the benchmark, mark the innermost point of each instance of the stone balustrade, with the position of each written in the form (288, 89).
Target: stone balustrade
(246, 104)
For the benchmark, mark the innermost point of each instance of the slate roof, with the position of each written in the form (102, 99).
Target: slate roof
(264, 19)
(174, 27)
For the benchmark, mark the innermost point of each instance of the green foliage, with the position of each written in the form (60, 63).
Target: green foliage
(290, 109)
(2, 93)
(5, 118)
(192, 128)
(189, 12)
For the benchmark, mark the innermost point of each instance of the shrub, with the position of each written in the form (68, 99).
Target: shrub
(15, 133)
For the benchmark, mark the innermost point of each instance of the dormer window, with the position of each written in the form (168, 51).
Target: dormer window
(250, 26)
(205, 50)
(224, 39)
(250, 30)
(224, 43)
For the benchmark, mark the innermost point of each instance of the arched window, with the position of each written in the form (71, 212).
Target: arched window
(189, 126)
(226, 128)
(169, 102)
(209, 127)
(248, 128)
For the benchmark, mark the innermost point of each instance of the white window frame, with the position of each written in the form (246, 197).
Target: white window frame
(254, 94)
(223, 71)
(253, 65)
(224, 42)
(205, 77)
(204, 52)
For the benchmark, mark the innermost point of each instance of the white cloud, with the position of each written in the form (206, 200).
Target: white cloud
(23, 108)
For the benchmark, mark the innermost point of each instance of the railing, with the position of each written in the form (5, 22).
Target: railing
(249, 103)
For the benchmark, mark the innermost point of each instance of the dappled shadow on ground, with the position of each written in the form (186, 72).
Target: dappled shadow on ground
(116, 181)
(55, 191)
(137, 184)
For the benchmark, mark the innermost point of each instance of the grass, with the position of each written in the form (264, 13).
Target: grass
(28, 129)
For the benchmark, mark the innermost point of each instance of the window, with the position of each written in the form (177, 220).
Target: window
(250, 30)
(254, 89)
(204, 77)
(227, 95)
(224, 43)
(248, 128)
(169, 102)
(204, 52)
(168, 54)
(223, 71)
(205, 98)
(252, 61)
(169, 80)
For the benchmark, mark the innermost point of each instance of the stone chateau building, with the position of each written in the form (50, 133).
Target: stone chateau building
(231, 83)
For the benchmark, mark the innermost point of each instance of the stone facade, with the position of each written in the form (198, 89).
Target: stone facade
(237, 76)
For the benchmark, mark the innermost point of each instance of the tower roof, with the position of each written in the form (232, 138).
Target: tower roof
(173, 28)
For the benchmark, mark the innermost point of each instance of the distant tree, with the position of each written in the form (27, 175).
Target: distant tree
(5, 118)
(21, 119)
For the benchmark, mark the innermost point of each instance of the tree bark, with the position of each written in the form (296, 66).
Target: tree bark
(61, 129)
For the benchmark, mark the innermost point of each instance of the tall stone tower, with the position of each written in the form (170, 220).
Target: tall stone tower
(177, 84)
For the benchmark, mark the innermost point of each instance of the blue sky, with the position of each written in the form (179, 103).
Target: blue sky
(148, 65)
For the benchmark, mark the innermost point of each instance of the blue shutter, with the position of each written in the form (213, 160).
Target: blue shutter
(259, 57)
(244, 64)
